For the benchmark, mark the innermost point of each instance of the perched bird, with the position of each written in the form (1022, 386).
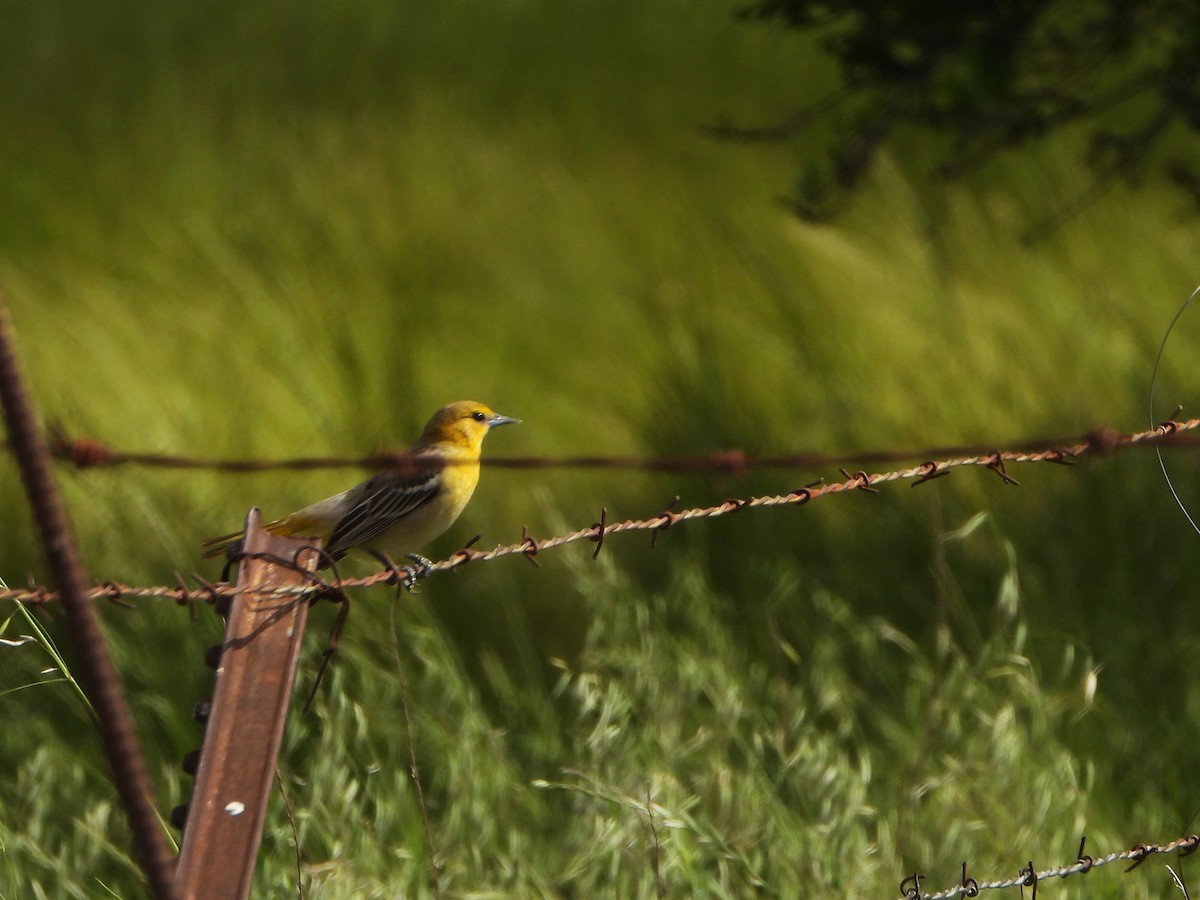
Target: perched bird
(398, 511)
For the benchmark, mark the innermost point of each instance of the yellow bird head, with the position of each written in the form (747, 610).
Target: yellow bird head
(463, 424)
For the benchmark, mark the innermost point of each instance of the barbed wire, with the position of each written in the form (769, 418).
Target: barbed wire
(90, 453)
(530, 547)
(910, 887)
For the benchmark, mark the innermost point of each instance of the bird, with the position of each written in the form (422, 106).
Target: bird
(401, 510)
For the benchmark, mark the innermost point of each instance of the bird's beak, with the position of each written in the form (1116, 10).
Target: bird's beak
(497, 419)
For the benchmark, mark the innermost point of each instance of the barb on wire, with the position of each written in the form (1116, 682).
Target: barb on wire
(910, 887)
(930, 472)
(600, 528)
(90, 453)
(969, 886)
(530, 545)
(598, 532)
(1031, 877)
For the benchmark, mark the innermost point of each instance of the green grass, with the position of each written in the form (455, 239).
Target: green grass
(269, 230)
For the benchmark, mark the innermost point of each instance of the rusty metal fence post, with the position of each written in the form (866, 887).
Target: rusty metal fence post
(255, 673)
(97, 674)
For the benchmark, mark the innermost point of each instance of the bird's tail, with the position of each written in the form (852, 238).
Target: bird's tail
(219, 546)
(289, 526)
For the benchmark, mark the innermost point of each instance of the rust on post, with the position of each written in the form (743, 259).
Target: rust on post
(255, 674)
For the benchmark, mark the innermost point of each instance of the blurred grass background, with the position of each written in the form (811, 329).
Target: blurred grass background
(276, 229)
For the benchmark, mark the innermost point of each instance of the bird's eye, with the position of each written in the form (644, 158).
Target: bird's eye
(478, 417)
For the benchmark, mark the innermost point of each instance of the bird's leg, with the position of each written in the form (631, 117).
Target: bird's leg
(390, 565)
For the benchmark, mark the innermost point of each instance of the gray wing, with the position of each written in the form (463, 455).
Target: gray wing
(383, 499)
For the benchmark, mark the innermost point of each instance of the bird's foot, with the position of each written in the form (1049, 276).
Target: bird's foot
(421, 566)
(404, 577)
